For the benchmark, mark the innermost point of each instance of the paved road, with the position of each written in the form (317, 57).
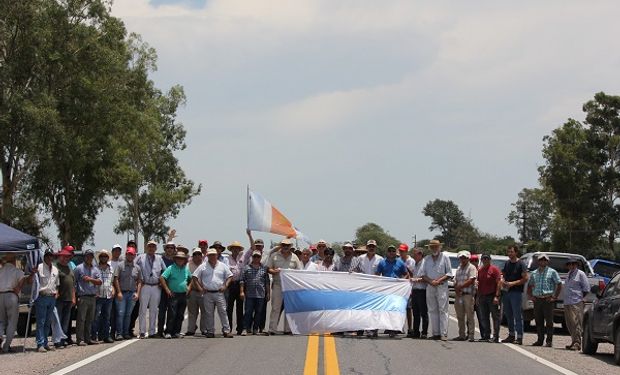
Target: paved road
(310, 355)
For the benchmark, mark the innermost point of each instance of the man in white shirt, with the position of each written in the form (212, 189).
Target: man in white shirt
(194, 299)
(152, 266)
(11, 281)
(212, 279)
(46, 301)
(309, 265)
(368, 265)
(436, 272)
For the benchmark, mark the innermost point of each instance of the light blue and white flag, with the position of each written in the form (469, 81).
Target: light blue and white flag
(325, 302)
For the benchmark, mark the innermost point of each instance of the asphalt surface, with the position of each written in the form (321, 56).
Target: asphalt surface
(290, 355)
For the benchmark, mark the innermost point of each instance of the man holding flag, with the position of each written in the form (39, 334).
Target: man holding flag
(283, 259)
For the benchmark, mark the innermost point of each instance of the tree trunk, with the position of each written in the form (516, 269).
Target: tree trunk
(136, 217)
(611, 239)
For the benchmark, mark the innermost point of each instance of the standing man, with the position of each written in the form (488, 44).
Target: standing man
(151, 265)
(116, 259)
(349, 262)
(255, 293)
(194, 300)
(370, 261)
(464, 301)
(576, 287)
(489, 288)
(514, 276)
(203, 245)
(174, 281)
(46, 301)
(212, 279)
(105, 296)
(544, 288)
(235, 263)
(327, 263)
(11, 282)
(392, 266)
(418, 296)
(258, 245)
(136, 308)
(217, 245)
(436, 272)
(87, 278)
(66, 295)
(308, 265)
(170, 250)
(127, 284)
(283, 259)
(320, 247)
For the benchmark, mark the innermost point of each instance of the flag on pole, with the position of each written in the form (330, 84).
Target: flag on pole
(326, 302)
(264, 217)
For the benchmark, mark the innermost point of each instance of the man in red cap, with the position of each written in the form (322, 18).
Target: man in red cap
(66, 293)
(204, 246)
(127, 284)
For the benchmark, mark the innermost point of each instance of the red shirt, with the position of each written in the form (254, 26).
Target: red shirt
(488, 277)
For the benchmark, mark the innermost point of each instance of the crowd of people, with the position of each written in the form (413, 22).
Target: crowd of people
(111, 292)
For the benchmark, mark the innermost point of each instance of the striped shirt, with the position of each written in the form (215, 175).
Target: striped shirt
(544, 282)
(466, 273)
(105, 290)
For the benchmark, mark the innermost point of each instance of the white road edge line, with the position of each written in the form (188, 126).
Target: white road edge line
(530, 355)
(94, 357)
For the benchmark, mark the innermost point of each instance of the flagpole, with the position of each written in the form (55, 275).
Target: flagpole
(248, 207)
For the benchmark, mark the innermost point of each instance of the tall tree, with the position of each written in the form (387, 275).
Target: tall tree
(582, 171)
(532, 214)
(448, 218)
(372, 231)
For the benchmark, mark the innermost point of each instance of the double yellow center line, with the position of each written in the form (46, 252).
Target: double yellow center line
(330, 357)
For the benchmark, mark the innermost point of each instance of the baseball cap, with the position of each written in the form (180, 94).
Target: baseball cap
(197, 251)
(347, 244)
(254, 253)
(151, 242)
(131, 250)
(89, 252)
(403, 247)
(572, 260)
(464, 253)
(203, 242)
(371, 242)
(258, 242)
(542, 256)
(286, 241)
(117, 246)
(485, 256)
(170, 243)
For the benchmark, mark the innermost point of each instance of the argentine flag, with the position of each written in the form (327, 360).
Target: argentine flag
(326, 302)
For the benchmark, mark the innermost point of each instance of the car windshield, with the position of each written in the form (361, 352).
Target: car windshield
(606, 269)
(499, 263)
(557, 263)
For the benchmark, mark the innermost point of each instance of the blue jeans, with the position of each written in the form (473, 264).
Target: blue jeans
(512, 308)
(123, 313)
(44, 306)
(101, 325)
(253, 312)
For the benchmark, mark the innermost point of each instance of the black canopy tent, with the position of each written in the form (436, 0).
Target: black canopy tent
(14, 241)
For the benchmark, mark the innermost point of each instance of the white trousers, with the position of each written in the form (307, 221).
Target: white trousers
(149, 299)
(437, 302)
(276, 309)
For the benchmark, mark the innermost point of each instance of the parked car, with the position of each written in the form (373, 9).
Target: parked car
(601, 321)
(454, 264)
(499, 261)
(557, 261)
(604, 268)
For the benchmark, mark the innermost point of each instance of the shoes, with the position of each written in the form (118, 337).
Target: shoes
(483, 339)
(142, 336)
(444, 338)
(537, 343)
(119, 338)
(209, 335)
(93, 342)
(495, 340)
(244, 333)
(254, 332)
(392, 334)
(41, 349)
(264, 333)
(177, 336)
(519, 341)
(288, 333)
(82, 343)
(272, 333)
(188, 333)
(167, 336)
(508, 340)
(59, 345)
(435, 337)
(549, 345)
(69, 342)
(50, 348)
(471, 339)
(228, 335)
(459, 338)
(423, 336)
(128, 337)
(108, 340)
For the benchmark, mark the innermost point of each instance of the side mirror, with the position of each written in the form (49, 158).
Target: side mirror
(596, 290)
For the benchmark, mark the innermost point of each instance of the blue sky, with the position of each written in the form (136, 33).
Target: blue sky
(347, 112)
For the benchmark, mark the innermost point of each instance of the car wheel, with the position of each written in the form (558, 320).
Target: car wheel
(589, 345)
(617, 346)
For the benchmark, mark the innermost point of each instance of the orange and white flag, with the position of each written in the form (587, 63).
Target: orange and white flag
(264, 217)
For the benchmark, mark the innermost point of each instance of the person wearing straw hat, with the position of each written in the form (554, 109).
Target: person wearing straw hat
(348, 262)
(279, 260)
(436, 272)
(174, 281)
(105, 295)
(235, 263)
(194, 298)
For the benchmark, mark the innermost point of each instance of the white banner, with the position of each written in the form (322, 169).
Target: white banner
(326, 302)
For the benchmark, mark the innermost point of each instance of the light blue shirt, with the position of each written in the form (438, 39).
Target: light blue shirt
(575, 286)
